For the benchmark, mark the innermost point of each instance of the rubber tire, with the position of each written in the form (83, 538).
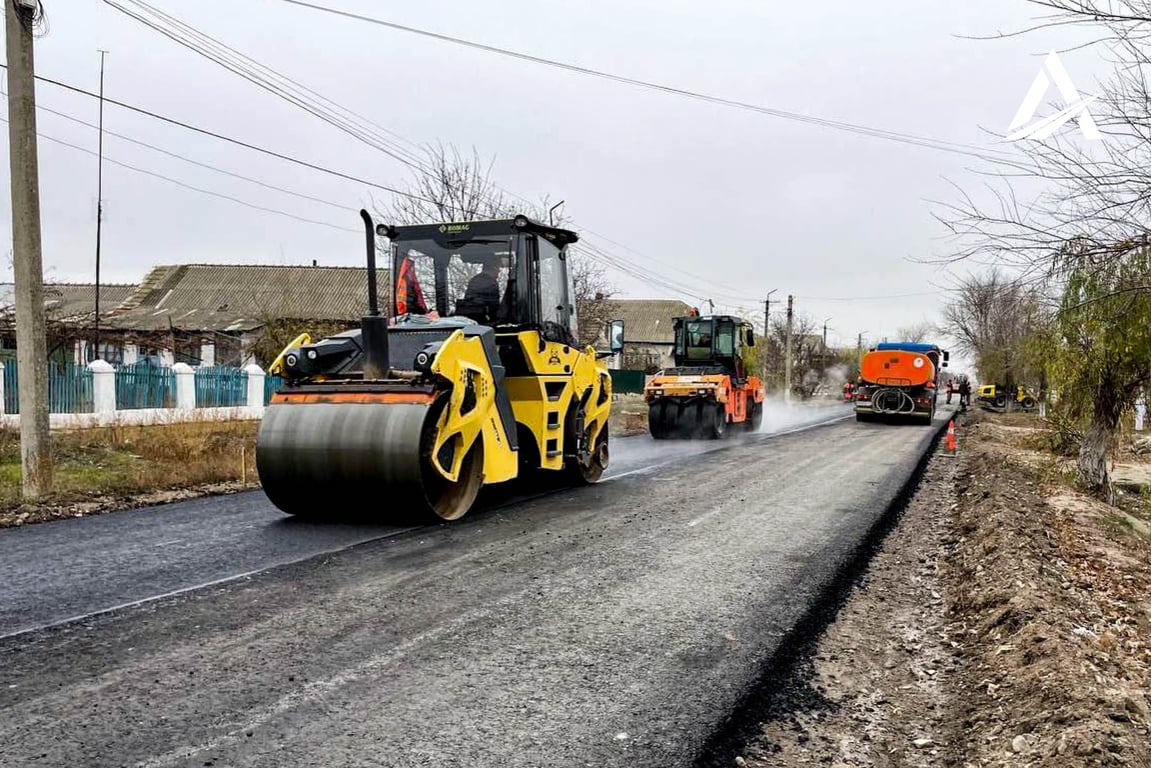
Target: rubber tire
(1028, 402)
(717, 429)
(582, 475)
(1000, 400)
(656, 422)
(755, 419)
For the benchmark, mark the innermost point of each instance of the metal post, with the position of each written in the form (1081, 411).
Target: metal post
(31, 345)
(99, 207)
(787, 352)
(766, 329)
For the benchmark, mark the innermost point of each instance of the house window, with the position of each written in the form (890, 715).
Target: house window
(112, 353)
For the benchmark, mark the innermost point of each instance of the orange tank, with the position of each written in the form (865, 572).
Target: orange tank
(896, 368)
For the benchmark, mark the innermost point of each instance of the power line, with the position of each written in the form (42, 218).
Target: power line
(264, 77)
(271, 80)
(231, 140)
(191, 161)
(191, 187)
(904, 138)
(596, 253)
(599, 255)
(870, 298)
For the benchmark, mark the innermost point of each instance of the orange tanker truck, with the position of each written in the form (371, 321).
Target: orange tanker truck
(899, 379)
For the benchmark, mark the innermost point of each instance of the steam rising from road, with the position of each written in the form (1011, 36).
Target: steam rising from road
(633, 453)
(779, 416)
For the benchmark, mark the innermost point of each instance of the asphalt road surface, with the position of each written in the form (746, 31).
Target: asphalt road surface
(618, 624)
(64, 570)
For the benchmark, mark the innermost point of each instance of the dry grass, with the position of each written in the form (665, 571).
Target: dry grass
(628, 415)
(96, 469)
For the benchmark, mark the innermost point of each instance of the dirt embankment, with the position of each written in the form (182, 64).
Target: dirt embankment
(1006, 620)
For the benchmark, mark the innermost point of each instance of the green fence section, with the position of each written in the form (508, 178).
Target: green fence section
(272, 384)
(627, 382)
(69, 388)
(143, 385)
(221, 387)
(11, 396)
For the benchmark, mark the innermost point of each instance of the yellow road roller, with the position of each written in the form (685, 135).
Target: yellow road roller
(474, 377)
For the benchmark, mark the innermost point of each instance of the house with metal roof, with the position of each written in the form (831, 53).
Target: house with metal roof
(211, 314)
(648, 332)
(217, 314)
(69, 309)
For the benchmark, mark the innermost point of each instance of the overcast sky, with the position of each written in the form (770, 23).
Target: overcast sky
(750, 201)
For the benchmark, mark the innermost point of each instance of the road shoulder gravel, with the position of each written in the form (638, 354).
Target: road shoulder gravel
(1002, 621)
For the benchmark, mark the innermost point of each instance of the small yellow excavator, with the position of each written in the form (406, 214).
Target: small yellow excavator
(475, 379)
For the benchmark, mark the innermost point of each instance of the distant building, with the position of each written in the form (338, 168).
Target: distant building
(215, 314)
(68, 308)
(205, 314)
(648, 333)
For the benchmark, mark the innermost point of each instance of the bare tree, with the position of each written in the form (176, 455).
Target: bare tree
(995, 320)
(807, 359)
(1093, 200)
(593, 292)
(1084, 236)
(918, 332)
(447, 187)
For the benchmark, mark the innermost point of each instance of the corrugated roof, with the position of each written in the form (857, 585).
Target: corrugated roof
(648, 320)
(73, 301)
(234, 297)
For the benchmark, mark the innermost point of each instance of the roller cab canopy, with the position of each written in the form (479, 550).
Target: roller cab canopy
(510, 274)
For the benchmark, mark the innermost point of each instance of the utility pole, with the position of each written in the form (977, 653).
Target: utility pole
(99, 207)
(31, 345)
(823, 358)
(787, 352)
(767, 302)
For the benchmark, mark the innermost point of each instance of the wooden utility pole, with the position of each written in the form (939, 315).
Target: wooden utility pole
(31, 344)
(767, 302)
(787, 352)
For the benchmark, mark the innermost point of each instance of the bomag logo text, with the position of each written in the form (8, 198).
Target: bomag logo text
(454, 228)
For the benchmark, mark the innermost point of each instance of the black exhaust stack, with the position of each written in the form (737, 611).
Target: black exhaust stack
(373, 327)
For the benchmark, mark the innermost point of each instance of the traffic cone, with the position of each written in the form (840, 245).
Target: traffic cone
(951, 436)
